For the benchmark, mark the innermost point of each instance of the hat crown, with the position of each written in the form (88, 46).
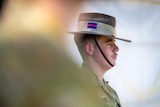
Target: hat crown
(97, 24)
(98, 17)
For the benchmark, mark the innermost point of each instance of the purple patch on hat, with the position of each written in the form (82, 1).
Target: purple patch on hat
(92, 25)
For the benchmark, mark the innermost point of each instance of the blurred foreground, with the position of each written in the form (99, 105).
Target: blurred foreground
(35, 70)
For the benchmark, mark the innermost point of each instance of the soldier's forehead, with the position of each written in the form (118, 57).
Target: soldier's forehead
(107, 39)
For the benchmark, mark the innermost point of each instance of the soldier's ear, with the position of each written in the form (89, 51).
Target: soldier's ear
(89, 48)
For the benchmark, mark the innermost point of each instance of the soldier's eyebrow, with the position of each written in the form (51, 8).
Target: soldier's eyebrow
(110, 40)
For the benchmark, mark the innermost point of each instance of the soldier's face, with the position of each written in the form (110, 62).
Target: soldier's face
(109, 48)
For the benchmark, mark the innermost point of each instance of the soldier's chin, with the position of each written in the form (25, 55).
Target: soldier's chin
(111, 65)
(114, 64)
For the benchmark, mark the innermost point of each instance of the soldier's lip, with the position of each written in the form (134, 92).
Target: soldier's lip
(115, 56)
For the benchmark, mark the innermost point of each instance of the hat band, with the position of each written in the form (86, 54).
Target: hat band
(96, 27)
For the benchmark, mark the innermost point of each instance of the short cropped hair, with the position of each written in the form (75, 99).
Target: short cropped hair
(81, 40)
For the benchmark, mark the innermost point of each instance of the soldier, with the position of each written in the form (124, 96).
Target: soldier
(95, 40)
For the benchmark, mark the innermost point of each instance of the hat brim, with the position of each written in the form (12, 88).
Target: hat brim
(93, 33)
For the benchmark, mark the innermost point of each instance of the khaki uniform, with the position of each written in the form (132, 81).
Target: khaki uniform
(108, 96)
